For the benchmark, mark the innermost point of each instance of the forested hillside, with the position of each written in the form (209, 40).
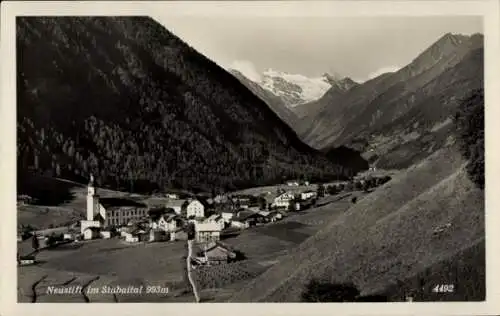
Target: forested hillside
(128, 101)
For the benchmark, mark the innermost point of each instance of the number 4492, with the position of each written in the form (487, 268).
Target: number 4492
(443, 288)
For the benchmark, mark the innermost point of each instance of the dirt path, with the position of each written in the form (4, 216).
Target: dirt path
(188, 266)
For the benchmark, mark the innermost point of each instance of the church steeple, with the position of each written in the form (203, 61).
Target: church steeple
(91, 189)
(92, 200)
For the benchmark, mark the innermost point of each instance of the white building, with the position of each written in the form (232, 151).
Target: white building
(307, 195)
(283, 200)
(217, 219)
(206, 232)
(195, 208)
(227, 216)
(91, 232)
(165, 222)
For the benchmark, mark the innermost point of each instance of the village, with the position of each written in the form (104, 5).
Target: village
(173, 217)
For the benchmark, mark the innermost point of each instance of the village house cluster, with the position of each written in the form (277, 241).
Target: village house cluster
(169, 218)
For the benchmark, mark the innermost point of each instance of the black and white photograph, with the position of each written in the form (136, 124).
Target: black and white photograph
(250, 158)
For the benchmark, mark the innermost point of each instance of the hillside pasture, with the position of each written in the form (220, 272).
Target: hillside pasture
(388, 235)
(108, 262)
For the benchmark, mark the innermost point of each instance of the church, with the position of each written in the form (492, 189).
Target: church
(103, 213)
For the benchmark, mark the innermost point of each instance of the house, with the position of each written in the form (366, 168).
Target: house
(194, 208)
(307, 195)
(205, 232)
(247, 218)
(238, 223)
(69, 236)
(264, 213)
(227, 215)
(26, 260)
(292, 183)
(216, 253)
(274, 216)
(217, 219)
(172, 196)
(91, 233)
(283, 200)
(163, 219)
(137, 234)
(105, 212)
(221, 198)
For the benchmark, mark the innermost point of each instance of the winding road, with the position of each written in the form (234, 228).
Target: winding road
(188, 266)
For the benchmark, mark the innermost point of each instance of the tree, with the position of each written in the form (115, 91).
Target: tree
(469, 121)
(317, 291)
(34, 242)
(321, 190)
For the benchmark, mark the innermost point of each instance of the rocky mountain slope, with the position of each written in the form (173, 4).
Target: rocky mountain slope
(276, 103)
(295, 89)
(399, 116)
(126, 100)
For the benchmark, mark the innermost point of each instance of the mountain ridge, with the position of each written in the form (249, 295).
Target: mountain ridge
(351, 119)
(114, 96)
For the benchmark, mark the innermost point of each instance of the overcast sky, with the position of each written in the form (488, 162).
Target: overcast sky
(358, 47)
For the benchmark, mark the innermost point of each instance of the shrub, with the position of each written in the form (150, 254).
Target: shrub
(354, 199)
(469, 121)
(317, 291)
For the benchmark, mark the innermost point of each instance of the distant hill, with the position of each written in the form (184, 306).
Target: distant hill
(401, 117)
(275, 102)
(422, 228)
(126, 100)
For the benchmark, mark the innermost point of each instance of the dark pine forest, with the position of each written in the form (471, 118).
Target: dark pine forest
(131, 103)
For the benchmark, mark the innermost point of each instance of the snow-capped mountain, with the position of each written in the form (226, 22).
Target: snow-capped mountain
(295, 89)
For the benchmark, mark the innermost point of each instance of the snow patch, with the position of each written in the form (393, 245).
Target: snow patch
(307, 89)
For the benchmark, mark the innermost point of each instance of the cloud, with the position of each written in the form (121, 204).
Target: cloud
(247, 68)
(383, 70)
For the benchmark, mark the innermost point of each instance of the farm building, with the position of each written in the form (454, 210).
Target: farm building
(216, 253)
(245, 219)
(237, 223)
(172, 196)
(26, 260)
(227, 215)
(274, 216)
(137, 234)
(206, 232)
(91, 233)
(307, 195)
(69, 236)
